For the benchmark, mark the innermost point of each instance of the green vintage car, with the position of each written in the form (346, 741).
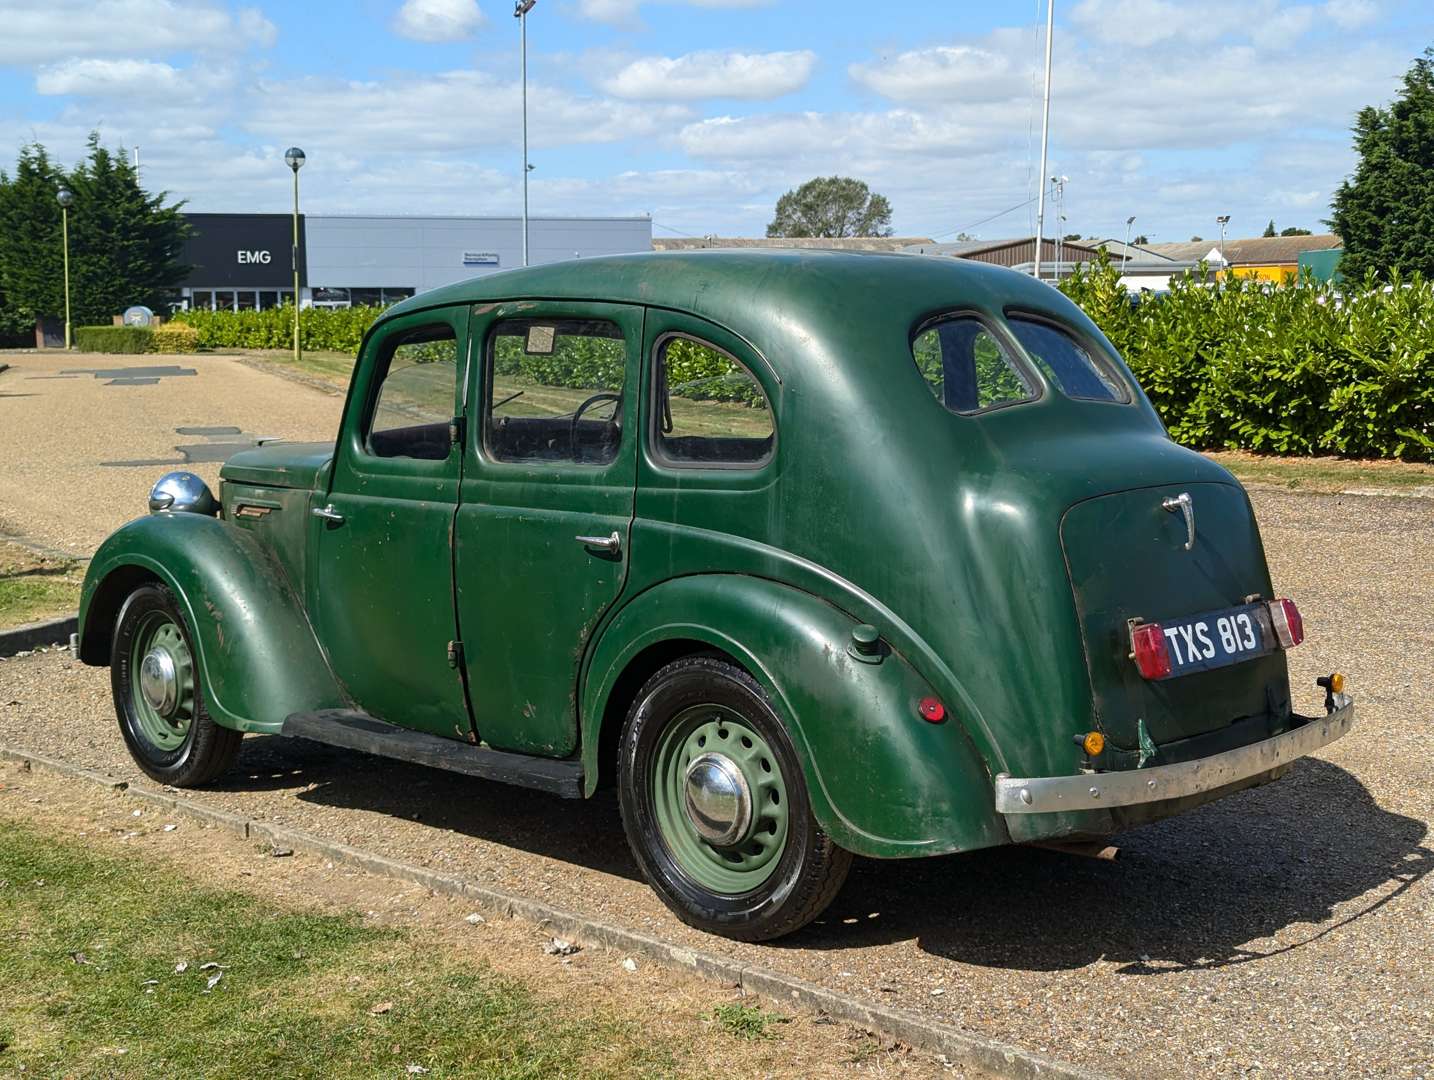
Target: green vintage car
(811, 554)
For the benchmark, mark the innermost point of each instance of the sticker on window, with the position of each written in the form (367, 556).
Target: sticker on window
(540, 340)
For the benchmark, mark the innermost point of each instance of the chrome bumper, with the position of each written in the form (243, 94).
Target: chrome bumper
(1096, 791)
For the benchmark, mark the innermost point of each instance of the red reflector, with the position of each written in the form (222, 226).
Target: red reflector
(931, 709)
(1147, 642)
(1289, 624)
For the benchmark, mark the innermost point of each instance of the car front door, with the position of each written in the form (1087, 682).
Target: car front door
(545, 509)
(384, 596)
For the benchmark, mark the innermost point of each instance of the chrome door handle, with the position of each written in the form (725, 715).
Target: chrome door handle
(328, 513)
(1184, 505)
(611, 543)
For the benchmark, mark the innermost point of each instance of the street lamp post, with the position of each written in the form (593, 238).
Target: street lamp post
(1125, 251)
(1058, 186)
(65, 198)
(520, 12)
(1223, 220)
(294, 158)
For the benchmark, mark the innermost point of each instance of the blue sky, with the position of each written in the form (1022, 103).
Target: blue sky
(702, 112)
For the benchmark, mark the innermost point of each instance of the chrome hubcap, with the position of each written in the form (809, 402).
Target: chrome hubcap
(158, 681)
(717, 799)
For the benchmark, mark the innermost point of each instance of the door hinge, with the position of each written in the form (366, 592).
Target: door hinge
(456, 430)
(455, 653)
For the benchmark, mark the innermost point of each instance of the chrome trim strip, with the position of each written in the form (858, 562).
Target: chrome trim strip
(1094, 791)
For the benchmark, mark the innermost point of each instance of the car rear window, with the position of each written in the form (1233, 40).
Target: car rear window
(966, 367)
(1075, 370)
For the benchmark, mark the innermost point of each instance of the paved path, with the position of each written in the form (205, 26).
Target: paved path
(83, 437)
(1286, 931)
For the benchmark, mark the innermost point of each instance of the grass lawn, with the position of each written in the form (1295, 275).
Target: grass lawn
(1324, 474)
(34, 587)
(113, 967)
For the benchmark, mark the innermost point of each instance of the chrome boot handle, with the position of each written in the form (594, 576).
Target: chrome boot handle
(1183, 503)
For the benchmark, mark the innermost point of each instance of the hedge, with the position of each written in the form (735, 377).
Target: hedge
(174, 337)
(1289, 369)
(333, 329)
(113, 339)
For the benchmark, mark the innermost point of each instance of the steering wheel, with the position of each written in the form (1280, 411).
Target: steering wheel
(578, 414)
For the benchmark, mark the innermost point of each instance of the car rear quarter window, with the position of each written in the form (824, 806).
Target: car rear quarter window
(709, 409)
(966, 367)
(1076, 370)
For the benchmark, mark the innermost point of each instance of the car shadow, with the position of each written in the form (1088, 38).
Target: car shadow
(1210, 888)
(1251, 876)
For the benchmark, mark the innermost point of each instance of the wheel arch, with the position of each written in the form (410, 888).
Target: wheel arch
(258, 657)
(881, 781)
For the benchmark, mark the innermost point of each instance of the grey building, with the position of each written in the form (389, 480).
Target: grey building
(243, 261)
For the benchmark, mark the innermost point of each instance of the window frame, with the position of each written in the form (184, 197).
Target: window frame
(388, 346)
(653, 398)
(485, 404)
(1033, 379)
(1099, 357)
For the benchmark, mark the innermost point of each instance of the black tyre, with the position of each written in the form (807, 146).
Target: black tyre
(715, 806)
(154, 674)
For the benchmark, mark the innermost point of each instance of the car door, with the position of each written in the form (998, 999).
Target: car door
(545, 509)
(384, 595)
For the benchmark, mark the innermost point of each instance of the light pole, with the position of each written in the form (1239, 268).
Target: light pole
(1045, 142)
(65, 198)
(1058, 185)
(520, 12)
(294, 158)
(1125, 252)
(1222, 221)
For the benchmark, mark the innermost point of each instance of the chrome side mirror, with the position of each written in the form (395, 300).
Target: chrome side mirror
(182, 493)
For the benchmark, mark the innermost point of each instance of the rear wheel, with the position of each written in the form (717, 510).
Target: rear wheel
(155, 679)
(715, 806)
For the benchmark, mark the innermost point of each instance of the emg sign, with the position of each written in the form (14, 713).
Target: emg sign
(255, 258)
(243, 251)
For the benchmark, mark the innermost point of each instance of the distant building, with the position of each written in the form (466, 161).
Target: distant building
(1265, 258)
(823, 243)
(1059, 258)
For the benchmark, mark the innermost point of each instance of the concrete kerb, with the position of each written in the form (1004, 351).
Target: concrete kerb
(984, 1056)
(34, 635)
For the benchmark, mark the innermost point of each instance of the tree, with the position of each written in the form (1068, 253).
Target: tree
(1269, 229)
(1295, 231)
(1384, 212)
(1196, 239)
(1068, 237)
(831, 206)
(1140, 240)
(125, 244)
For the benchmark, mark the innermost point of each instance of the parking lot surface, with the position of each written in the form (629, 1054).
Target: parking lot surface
(83, 436)
(1286, 931)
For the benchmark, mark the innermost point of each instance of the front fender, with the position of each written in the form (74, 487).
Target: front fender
(883, 782)
(258, 658)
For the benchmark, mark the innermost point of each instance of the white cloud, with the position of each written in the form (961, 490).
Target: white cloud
(1351, 14)
(37, 33)
(1142, 23)
(437, 20)
(943, 73)
(121, 80)
(750, 76)
(625, 12)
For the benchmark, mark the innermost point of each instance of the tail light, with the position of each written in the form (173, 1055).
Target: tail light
(1147, 646)
(1289, 625)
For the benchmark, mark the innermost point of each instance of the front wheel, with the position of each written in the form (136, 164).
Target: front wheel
(154, 675)
(715, 806)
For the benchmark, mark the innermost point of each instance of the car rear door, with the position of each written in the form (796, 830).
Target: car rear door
(545, 508)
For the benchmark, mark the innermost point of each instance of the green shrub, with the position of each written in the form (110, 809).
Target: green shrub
(113, 339)
(1295, 368)
(332, 329)
(174, 338)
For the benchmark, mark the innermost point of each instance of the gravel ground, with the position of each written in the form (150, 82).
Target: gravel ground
(1286, 931)
(59, 423)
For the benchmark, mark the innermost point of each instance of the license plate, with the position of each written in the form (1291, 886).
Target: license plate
(1217, 639)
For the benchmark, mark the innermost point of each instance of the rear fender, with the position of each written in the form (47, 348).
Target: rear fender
(258, 658)
(883, 782)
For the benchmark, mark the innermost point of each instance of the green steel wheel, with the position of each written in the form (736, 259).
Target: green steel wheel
(715, 806)
(154, 676)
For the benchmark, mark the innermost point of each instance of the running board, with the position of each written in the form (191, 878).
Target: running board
(355, 730)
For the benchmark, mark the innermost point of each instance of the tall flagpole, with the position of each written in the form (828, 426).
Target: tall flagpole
(1045, 138)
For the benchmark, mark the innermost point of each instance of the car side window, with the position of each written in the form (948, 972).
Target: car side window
(966, 367)
(414, 403)
(555, 390)
(1065, 361)
(709, 409)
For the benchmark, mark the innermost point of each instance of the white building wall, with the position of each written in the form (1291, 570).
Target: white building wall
(423, 253)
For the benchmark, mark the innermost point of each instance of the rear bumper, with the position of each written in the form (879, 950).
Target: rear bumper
(1101, 791)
